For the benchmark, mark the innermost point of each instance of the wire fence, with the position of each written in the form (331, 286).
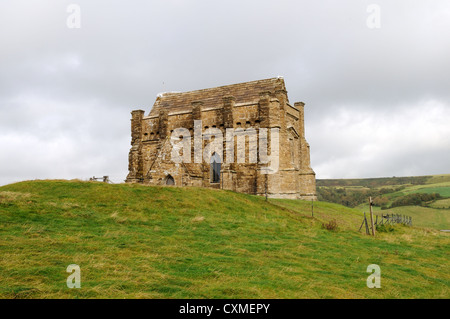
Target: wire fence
(104, 179)
(385, 219)
(394, 219)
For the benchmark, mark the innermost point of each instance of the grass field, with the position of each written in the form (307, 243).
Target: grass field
(442, 203)
(442, 188)
(434, 179)
(443, 191)
(134, 241)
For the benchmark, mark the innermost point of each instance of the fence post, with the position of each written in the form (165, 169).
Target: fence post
(371, 216)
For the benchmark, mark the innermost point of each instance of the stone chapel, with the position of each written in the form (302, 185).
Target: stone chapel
(244, 107)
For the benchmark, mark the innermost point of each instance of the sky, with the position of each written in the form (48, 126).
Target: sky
(374, 75)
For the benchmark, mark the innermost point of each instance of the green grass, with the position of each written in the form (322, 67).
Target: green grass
(348, 218)
(134, 241)
(443, 191)
(424, 216)
(442, 203)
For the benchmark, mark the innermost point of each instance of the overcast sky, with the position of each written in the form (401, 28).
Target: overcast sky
(377, 99)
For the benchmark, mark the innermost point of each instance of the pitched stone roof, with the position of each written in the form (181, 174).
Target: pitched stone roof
(242, 92)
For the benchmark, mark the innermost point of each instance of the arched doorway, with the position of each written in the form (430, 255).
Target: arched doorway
(216, 163)
(169, 180)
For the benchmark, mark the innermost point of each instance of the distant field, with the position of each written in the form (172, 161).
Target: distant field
(442, 188)
(438, 179)
(442, 203)
(444, 191)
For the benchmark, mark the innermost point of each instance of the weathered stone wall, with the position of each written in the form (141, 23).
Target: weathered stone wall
(258, 104)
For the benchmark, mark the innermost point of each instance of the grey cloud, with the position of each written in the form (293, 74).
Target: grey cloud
(74, 88)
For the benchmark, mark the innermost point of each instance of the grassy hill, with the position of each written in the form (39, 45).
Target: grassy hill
(134, 241)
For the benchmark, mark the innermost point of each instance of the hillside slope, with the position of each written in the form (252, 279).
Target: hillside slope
(134, 241)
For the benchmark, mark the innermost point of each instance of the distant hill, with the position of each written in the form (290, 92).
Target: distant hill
(424, 197)
(385, 181)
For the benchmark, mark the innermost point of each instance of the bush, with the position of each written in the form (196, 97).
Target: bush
(384, 228)
(331, 225)
(380, 201)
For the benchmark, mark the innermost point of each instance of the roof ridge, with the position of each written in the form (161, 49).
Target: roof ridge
(166, 94)
(242, 92)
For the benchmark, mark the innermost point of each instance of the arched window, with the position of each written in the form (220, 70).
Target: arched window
(169, 180)
(216, 164)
